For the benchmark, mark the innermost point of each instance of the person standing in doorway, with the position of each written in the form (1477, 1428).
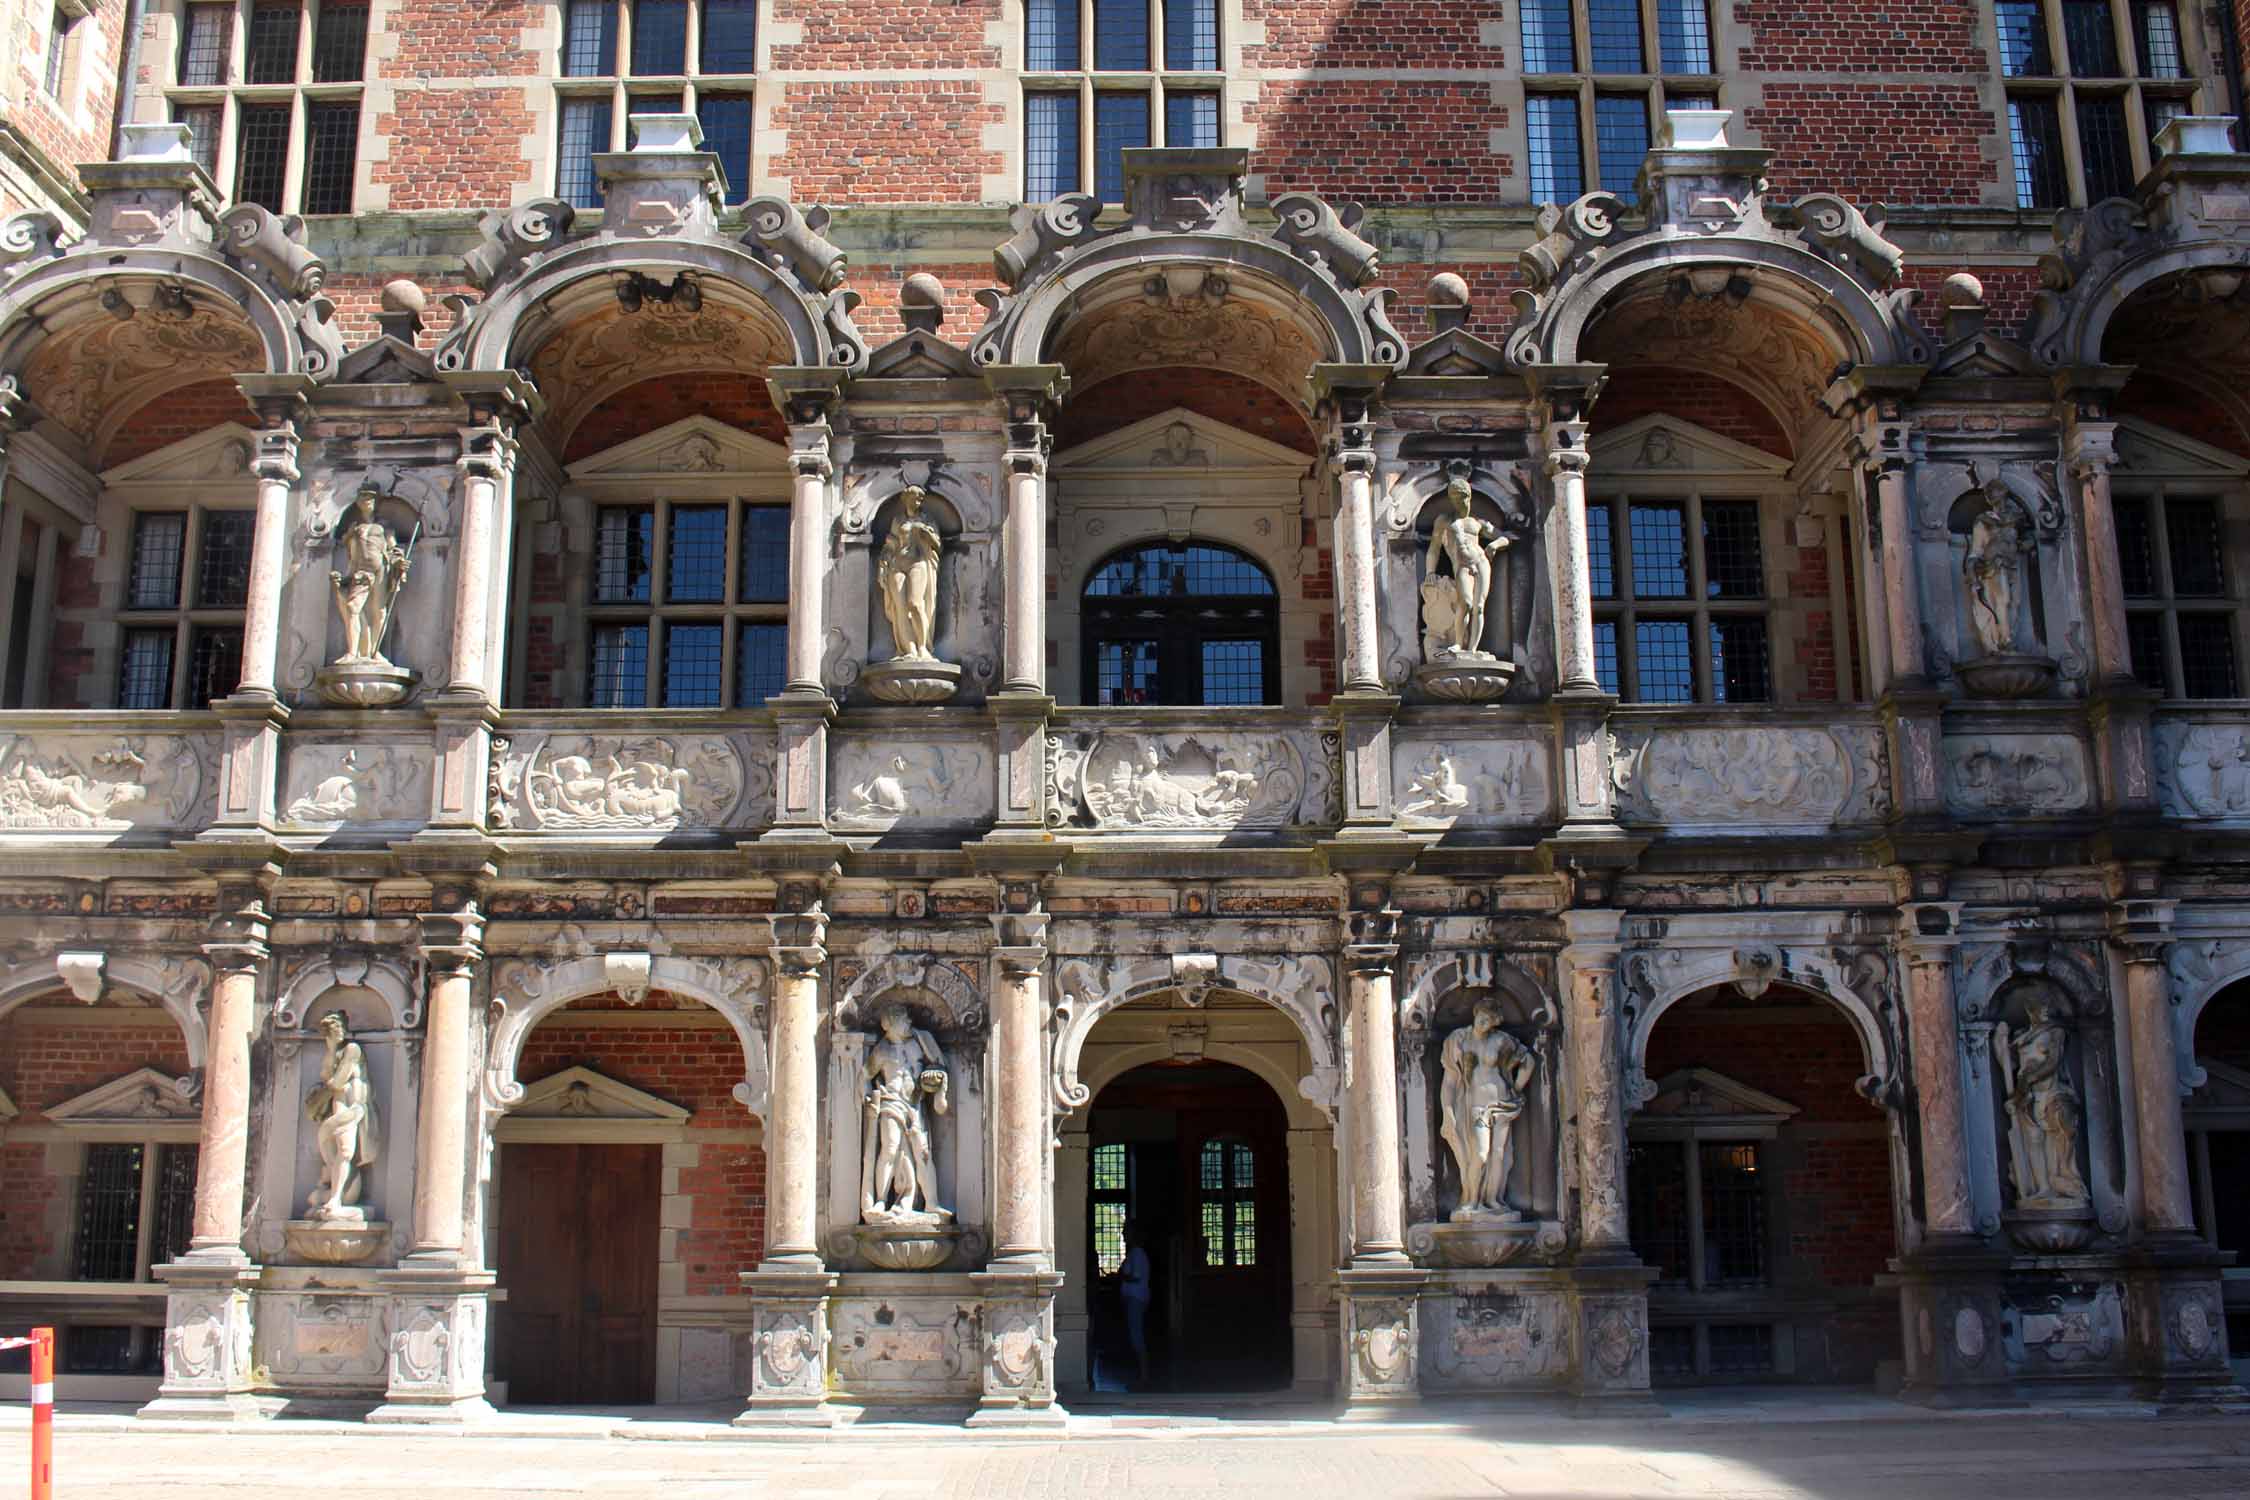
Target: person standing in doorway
(1134, 1284)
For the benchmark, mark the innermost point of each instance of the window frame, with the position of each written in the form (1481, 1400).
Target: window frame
(1656, 88)
(1155, 82)
(620, 86)
(2138, 93)
(2156, 490)
(232, 93)
(1695, 1303)
(188, 615)
(660, 613)
(1101, 621)
(1626, 609)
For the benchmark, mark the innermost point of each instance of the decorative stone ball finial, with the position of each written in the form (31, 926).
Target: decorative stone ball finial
(400, 310)
(1960, 290)
(921, 303)
(1448, 301)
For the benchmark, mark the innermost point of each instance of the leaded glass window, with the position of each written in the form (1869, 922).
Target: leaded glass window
(1680, 599)
(689, 606)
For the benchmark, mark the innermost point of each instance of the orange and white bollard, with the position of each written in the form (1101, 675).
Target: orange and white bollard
(42, 1345)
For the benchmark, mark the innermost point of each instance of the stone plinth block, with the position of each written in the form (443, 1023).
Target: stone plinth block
(439, 1317)
(1382, 1338)
(789, 1349)
(1019, 1349)
(208, 1336)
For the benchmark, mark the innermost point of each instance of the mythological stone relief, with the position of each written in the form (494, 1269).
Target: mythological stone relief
(90, 784)
(1184, 781)
(331, 785)
(2015, 774)
(599, 782)
(1496, 1336)
(2203, 770)
(1775, 775)
(1470, 781)
(880, 784)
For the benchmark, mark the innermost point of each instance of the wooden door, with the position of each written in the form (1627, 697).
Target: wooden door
(578, 1233)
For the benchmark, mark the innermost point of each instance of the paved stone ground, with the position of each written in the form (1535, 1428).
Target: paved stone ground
(1759, 1449)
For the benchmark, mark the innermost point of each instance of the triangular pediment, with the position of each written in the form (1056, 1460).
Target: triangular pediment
(385, 361)
(580, 1093)
(2146, 448)
(1706, 1095)
(1180, 441)
(2223, 1100)
(1661, 444)
(219, 453)
(918, 355)
(142, 1098)
(1986, 355)
(1456, 352)
(692, 445)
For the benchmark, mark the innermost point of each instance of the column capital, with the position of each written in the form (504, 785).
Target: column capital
(1018, 963)
(2083, 393)
(2141, 930)
(488, 449)
(275, 461)
(1929, 931)
(799, 940)
(453, 940)
(238, 939)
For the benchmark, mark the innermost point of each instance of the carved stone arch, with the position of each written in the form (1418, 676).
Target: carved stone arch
(1673, 975)
(2200, 970)
(68, 289)
(1302, 987)
(312, 977)
(932, 977)
(1302, 1112)
(2070, 326)
(176, 983)
(1477, 969)
(527, 991)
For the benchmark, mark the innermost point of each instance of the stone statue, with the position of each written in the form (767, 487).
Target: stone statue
(1485, 1074)
(375, 570)
(1453, 607)
(906, 575)
(898, 1175)
(2044, 1114)
(1438, 791)
(2000, 547)
(342, 1109)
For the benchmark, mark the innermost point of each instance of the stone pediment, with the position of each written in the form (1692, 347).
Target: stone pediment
(581, 1094)
(222, 453)
(920, 355)
(2145, 448)
(131, 1105)
(2223, 1101)
(692, 445)
(1456, 352)
(1704, 1096)
(1180, 441)
(385, 361)
(1657, 444)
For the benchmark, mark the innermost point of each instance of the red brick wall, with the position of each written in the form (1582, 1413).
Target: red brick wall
(70, 657)
(735, 397)
(175, 416)
(888, 34)
(1844, 36)
(43, 1063)
(1236, 400)
(450, 148)
(1377, 33)
(1876, 143)
(890, 142)
(1413, 140)
(76, 129)
(697, 1069)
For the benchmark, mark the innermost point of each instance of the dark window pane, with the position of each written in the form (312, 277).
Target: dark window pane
(270, 50)
(1601, 550)
(648, 104)
(1613, 37)
(761, 664)
(2161, 112)
(624, 544)
(2035, 128)
(1051, 36)
(159, 546)
(1191, 119)
(1121, 35)
(2156, 25)
(765, 555)
(590, 39)
(1547, 42)
(1663, 662)
(1686, 99)
(144, 669)
(2195, 544)
(202, 121)
(214, 663)
(1234, 672)
(696, 571)
(730, 36)
(619, 677)
(692, 666)
(2102, 147)
(1659, 541)
(58, 48)
(264, 163)
(2207, 656)
(1732, 567)
(1050, 146)
(1657, 1207)
(109, 1214)
(726, 134)
(222, 571)
(659, 37)
(331, 150)
(1605, 654)
(1740, 672)
(1170, 572)
(1125, 672)
(2145, 634)
(1191, 36)
(340, 42)
(203, 45)
(1734, 1216)
(585, 130)
(1741, 1348)
(95, 1349)
(2091, 38)
(1671, 1351)
(2136, 548)
(1620, 140)
(1683, 36)
(1558, 174)
(1120, 120)
(2023, 39)
(175, 1203)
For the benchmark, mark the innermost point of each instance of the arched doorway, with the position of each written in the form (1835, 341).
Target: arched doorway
(2218, 1124)
(1188, 1160)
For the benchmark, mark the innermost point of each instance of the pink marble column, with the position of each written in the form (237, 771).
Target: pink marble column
(1947, 1206)
(1880, 447)
(1590, 971)
(451, 948)
(810, 472)
(1019, 1031)
(1570, 575)
(2166, 1206)
(2090, 450)
(238, 955)
(792, 1124)
(1378, 1199)
(1024, 547)
(276, 470)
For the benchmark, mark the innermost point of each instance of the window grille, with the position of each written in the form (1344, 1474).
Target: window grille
(730, 36)
(109, 1213)
(1051, 36)
(270, 48)
(1120, 35)
(1050, 147)
(590, 39)
(1683, 30)
(1111, 1195)
(1680, 599)
(1120, 121)
(181, 649)
(1189, 624)
(1191, 36)
(331, 156)
(340, 42)
(1191, 119)
(202, 121)
(677, 587)
(659, 38)
(1548, 46)
(58, 47)
(1621, 140)
(262, 171)
(1596, 129)
(2182, 617)
(726, 135)
(583, 130)
(2091, 82)
(1613, 35)
(2157, 30)
(1226, 1184)
(204, 42)
(2104, 151)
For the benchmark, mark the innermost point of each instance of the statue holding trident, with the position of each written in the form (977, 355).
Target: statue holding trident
(375, 568)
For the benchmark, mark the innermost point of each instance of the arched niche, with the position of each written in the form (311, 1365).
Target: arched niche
(965, 628)
(380, 1019)
(1415, 512)
(1444, 999)
(2057, 1136)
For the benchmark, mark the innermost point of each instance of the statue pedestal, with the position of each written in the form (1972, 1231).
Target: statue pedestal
(2009, 674)
(905, 680)
(363, 684)
(908, 1246)
(2051, 1231)
(1465, 679)
(334, 1242)
(1480, 1241)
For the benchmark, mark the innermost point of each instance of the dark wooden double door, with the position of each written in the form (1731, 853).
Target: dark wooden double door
(578, 1236)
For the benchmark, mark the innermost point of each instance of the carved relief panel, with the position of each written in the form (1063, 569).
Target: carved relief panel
(563, 782)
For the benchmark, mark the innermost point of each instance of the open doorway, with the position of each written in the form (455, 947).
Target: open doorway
(1190, 1163)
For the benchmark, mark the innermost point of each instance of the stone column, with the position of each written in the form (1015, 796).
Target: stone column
(2120, 705)
(789, 1290)
(2141, 931)
(487, 464)
(1948, 1202)
(207, 1305)
(1351, 456)
(1873, 399)
(1380, 1289)
(1027, 394)
(2090, 451)
(1590, 972)
(451, 949)
(1569, 568)
(807, 399)
(277, 474)
(810, 471)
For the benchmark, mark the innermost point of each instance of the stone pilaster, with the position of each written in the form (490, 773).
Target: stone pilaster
(1028, 396)
(1589, 966)
(1926, 946)
(2124, 752)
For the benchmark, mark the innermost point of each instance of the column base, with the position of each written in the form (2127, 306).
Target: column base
(1009, 1415)
(2175, 1309)
(789, 1370)
(1950, 1314)
(440, 1311)
(1612, 1363)
(1381, 1318)
(465, 1412)
(1019, 1342)
(208, 1331)
(787, 1419)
